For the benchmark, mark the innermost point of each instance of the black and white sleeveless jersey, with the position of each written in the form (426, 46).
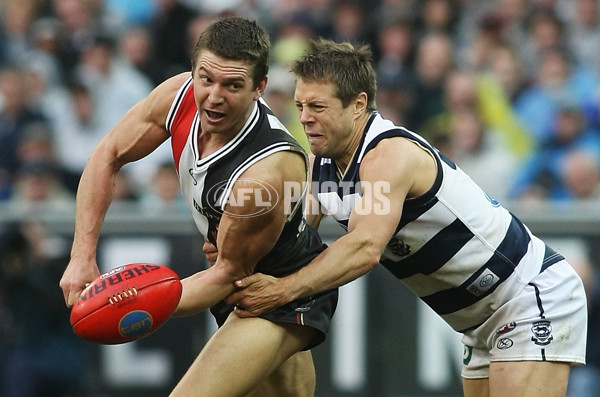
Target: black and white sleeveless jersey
(206, 182)
(455, 247)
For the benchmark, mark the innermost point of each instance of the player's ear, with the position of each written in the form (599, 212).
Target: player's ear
(360, 103)
(260, 88)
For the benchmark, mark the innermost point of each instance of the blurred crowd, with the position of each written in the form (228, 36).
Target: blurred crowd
(509, 89)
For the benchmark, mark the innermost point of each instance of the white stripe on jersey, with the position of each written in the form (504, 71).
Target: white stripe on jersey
(175, 105)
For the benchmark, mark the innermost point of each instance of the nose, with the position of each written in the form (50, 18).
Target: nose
(305, 115)
(216, 94)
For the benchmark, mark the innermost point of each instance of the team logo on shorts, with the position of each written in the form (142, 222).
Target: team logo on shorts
(504, 343)
(542, 333)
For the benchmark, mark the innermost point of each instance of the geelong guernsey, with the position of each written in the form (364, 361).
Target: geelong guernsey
(456, 248)
(207, 182)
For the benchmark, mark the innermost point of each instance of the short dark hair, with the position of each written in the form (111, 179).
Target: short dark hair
(238, 39)
(348, 66)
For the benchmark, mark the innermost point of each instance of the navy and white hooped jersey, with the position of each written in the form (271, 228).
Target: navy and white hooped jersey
(206, 182)
(460, 251)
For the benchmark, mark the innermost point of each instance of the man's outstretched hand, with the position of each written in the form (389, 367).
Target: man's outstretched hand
(258, 294)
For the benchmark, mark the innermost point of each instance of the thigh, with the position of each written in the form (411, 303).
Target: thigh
(528, 378)
(294, 378)
(241, 354)
(476, 387)
(520, 379)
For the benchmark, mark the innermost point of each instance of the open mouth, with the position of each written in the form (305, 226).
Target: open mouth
(214, 116)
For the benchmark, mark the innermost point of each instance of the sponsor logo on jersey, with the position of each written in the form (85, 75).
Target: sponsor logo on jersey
(483, 283)
(398, 247)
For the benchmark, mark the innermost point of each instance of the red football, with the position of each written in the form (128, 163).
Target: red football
(126, 303)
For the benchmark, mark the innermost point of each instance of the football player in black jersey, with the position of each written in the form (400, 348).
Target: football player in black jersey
(231, 153)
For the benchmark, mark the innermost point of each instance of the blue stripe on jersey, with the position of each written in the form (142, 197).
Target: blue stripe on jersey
(434, 254)
(550, 258)
(413, 209)
(483, 282)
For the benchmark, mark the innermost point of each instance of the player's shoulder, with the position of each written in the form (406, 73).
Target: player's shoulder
(282, 164)
(399, 156)
(161, 97)
(398, 147)
(390, 149)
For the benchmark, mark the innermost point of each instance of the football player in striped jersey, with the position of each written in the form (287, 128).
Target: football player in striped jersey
(520, 306)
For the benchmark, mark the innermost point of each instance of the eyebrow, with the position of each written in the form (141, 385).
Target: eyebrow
(312, 102)
(234, 79)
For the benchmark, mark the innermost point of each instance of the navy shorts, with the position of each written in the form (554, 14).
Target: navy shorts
(315, 312)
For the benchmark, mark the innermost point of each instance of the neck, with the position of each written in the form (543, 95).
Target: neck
(209, 143)
(357, 133)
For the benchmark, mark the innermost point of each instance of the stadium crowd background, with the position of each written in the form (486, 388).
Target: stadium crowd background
(509, 89)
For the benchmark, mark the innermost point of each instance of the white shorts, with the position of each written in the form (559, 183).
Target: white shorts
(547, 321)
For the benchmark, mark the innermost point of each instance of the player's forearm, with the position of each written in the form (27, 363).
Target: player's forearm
(202, 290)
(342, 262)
(94, 196)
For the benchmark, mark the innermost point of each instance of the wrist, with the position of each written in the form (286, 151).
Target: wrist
(292, 289)
(87, 256)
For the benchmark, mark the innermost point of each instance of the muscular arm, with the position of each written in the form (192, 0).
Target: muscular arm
(243, 240)
(386, 184)
(138, 133)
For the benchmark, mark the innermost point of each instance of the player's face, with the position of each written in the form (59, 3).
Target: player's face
(327, 124)
(224, 93)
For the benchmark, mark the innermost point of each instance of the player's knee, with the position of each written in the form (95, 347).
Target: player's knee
(297, 373)
(295, 377)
